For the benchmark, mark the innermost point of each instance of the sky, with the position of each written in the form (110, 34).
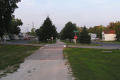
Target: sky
(81, 12)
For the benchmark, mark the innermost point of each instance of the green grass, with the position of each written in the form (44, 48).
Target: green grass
(79, 44)
(12, 55)
(115, 42)
(94, 64)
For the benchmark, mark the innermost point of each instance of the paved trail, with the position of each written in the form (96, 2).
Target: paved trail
(46, 64)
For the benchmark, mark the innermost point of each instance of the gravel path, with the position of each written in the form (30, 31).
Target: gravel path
(46, 64)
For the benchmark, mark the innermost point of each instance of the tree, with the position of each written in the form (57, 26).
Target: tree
(117, 30)
(46, 31)
(33, 32)
(79, 29)
(84, 36)
(68, 31)
(54, 32)
(7, 8)
(14, 26)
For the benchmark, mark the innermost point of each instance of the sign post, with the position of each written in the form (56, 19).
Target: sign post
(75, 37)
(52, 39)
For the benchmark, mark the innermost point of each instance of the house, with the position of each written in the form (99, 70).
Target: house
(26, 36)
(5, 37)
(108, 35)
(21, 36)
(93, 36)
(12, 37)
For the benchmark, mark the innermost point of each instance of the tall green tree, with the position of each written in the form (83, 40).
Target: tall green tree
(68, 31)
(7, 8)
(84, 37)
(46, 31)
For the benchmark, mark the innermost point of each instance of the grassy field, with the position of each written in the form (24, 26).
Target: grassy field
(12, 55)
(79, 44)
(94, 64)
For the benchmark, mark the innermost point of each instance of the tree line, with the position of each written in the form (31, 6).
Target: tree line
(83, 32)
(48, 30)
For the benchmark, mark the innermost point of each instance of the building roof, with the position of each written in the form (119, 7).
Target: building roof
(109, 32)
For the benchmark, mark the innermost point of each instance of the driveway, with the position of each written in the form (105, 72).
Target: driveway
(45, 64)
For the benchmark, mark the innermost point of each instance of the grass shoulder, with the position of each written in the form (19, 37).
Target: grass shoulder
(94, 64)
(79, 44)
(12, 55)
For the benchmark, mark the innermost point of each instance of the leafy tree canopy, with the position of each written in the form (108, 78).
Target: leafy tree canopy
(14, 26)
(68, 31)
(7, 8)
(33, 32)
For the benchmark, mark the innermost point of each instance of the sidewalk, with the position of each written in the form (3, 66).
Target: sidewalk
(46, 64)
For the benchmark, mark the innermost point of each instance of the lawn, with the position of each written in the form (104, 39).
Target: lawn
(79, 44)
(94, 64)
(12, 55)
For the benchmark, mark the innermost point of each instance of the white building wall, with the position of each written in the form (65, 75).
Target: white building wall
(93, 36)
(109, 37)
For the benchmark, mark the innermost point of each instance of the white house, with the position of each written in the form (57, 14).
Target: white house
(93, 36)
(108, 35)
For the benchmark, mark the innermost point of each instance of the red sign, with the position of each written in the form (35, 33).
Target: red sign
(75, 37)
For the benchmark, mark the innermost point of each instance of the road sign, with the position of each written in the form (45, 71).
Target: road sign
(75, 37)
(75, 31)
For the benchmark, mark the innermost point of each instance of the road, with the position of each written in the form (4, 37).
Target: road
(19, 42)
(22, 42)
(107, 44)
(45, 64)
(27, 42)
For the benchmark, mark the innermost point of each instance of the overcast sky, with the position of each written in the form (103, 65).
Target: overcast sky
(81, 12)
